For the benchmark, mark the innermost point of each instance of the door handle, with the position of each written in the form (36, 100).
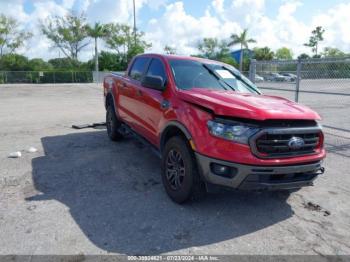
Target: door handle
(124, 85)
(165, 104)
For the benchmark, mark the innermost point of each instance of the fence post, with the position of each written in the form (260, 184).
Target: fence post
(297, 84)
(252, 70)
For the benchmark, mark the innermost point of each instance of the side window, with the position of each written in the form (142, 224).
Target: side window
(138, 68)
(156, 68)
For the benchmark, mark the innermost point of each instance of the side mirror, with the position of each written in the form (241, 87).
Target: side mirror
(154, 82)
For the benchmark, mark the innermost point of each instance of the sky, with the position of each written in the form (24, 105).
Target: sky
(181, 24)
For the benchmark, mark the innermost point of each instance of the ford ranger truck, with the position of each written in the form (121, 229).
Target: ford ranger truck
(212, 127)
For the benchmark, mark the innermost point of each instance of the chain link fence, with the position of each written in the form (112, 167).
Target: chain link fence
(42, 77)
(322, 84)
(53, 77)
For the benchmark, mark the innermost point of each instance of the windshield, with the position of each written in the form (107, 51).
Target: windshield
(192, 74)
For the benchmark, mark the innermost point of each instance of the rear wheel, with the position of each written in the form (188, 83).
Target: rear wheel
(180, 176)
(112, 124)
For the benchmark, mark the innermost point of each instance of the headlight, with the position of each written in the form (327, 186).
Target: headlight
(237, 132)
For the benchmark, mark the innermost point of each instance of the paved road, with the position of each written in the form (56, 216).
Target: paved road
(82, 194)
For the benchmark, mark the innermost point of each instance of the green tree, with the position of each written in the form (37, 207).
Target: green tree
(110, 61)
(68, 33)
(65, 63)
(209, 48)
(38, 64)
(224, 55)
(303, 56)
(169, 50)
(284, 53)
(11, 37)
(214, 49)
(264, 53)
(96, 32)
(121, 39)
(14, 62)
(243, 41)
(333, 52)
(315, 38)
(138, 47)
(230, 61)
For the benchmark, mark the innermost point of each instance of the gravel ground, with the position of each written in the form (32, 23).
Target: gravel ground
(82, 194)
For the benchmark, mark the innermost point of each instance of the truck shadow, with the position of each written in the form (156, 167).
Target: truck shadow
(115, 195)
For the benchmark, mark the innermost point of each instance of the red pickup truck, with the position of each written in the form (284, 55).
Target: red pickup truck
(212, 127)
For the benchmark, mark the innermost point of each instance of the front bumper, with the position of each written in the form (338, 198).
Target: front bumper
(248, 177)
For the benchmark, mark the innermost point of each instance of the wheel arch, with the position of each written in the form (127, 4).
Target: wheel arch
(172, 129)
(109, 99)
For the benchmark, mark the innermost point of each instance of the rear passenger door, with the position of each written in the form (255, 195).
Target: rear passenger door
(150, 106)
(128, 96)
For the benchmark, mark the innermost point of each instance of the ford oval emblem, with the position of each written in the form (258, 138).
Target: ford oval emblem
(296, 143)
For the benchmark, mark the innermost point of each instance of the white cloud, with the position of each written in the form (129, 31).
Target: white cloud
(96, 10)
(156, 4)
(13, 9)
(288, 8)
(110, 11)
(246, 12)
(38, 45)
(283, 30)
(336, 23)
(117, 10)
(287, 30)
(180, 29)
(183, 31)
(218, 5)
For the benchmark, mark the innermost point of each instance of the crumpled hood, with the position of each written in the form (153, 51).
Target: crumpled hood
(259, 107)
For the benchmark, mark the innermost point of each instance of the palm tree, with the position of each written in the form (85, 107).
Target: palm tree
(96, 32)
(243, 40)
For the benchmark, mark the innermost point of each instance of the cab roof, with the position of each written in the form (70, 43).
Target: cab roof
(170, 57)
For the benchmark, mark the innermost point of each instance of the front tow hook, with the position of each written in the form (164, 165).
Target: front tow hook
(320, 171)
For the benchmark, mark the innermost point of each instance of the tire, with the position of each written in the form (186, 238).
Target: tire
(180, 175)
(112, 124)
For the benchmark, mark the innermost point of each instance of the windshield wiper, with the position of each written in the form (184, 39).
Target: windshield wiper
(222, 82)
(239, 76)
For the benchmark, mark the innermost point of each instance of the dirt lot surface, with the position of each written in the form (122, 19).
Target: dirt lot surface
(82, 194)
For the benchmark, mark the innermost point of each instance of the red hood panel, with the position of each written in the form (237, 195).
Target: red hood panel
(259, 107)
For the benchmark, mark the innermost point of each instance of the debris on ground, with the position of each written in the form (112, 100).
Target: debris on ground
(15, 154)
(326, 213)
(315, 207)
(93, 125)
(32, 149)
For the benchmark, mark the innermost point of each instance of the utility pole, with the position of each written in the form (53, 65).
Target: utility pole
(134, 22)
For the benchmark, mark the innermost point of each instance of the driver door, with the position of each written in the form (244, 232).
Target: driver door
(150, 106)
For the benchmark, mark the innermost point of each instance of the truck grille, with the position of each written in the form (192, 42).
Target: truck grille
(271, 143)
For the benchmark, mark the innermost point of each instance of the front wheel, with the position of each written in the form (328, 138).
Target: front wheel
(180, 176)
